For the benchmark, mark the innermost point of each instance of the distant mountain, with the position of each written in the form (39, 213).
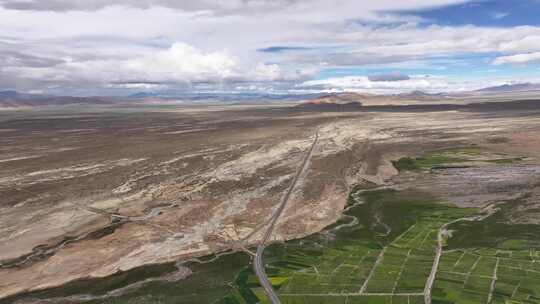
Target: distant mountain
(334, 102)
(17, 99)
(340, 98)
(14, 99)
(221, 96)
(421, 95)
(508, 88)
(329, 106)
(143, 95)
(14, 95)
(415, 93)
(9, 94)
(351, 100)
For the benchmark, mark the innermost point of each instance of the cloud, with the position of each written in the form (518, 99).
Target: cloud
(522, 42)
(181, 66)
(388, 77)
(517, 59)
(499, 15)
(279, 49)
(137, 86)
(363, 84)
(369, 45)
(14, 58)
(218, 6)
(108, 44)
(425, 83)
(180, 63)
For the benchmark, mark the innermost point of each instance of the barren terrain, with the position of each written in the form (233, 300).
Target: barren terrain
(94, 192)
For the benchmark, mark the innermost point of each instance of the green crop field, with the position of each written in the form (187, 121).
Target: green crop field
(385, 258)
(388, 256)
(489, 261)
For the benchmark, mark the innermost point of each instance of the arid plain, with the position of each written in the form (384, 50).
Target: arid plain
(90, 192)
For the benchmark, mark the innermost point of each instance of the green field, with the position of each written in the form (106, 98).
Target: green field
(398, 228)
(483, 261)
(467, 156)
(490, 260)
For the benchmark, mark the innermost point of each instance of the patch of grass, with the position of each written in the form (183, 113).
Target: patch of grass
(495, 232)
(505, 161)
(278, 281)
(426, 162)
(498, 140)
(406, 164)
(444, 158)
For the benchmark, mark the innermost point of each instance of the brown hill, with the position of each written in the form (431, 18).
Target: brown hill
(351, 100)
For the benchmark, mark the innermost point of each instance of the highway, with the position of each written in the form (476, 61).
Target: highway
(258, 264)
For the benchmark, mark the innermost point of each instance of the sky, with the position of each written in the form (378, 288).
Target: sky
(121, 47)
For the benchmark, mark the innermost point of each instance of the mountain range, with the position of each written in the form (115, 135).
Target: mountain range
(508, 88)
(14, 99)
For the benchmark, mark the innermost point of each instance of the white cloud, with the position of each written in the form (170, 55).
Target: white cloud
(523, 42)
(221, 6)
(136, 86)
(427, 83)
(269, 72)
(499, 15)
(181, 62)
(410, 40)
(104, 43)
(517, 59)
(180, 65)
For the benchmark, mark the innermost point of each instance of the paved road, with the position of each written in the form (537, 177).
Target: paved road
(258, 264)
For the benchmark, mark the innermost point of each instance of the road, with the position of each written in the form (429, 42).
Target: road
(431, 279)
(258, 264)
(443, 231)
(493, 282)
(377, 262)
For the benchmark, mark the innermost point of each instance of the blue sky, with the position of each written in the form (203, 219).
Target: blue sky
(118, 47)
(497, 13)
(467, 66)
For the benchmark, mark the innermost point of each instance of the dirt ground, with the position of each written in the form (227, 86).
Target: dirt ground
(90, 192)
